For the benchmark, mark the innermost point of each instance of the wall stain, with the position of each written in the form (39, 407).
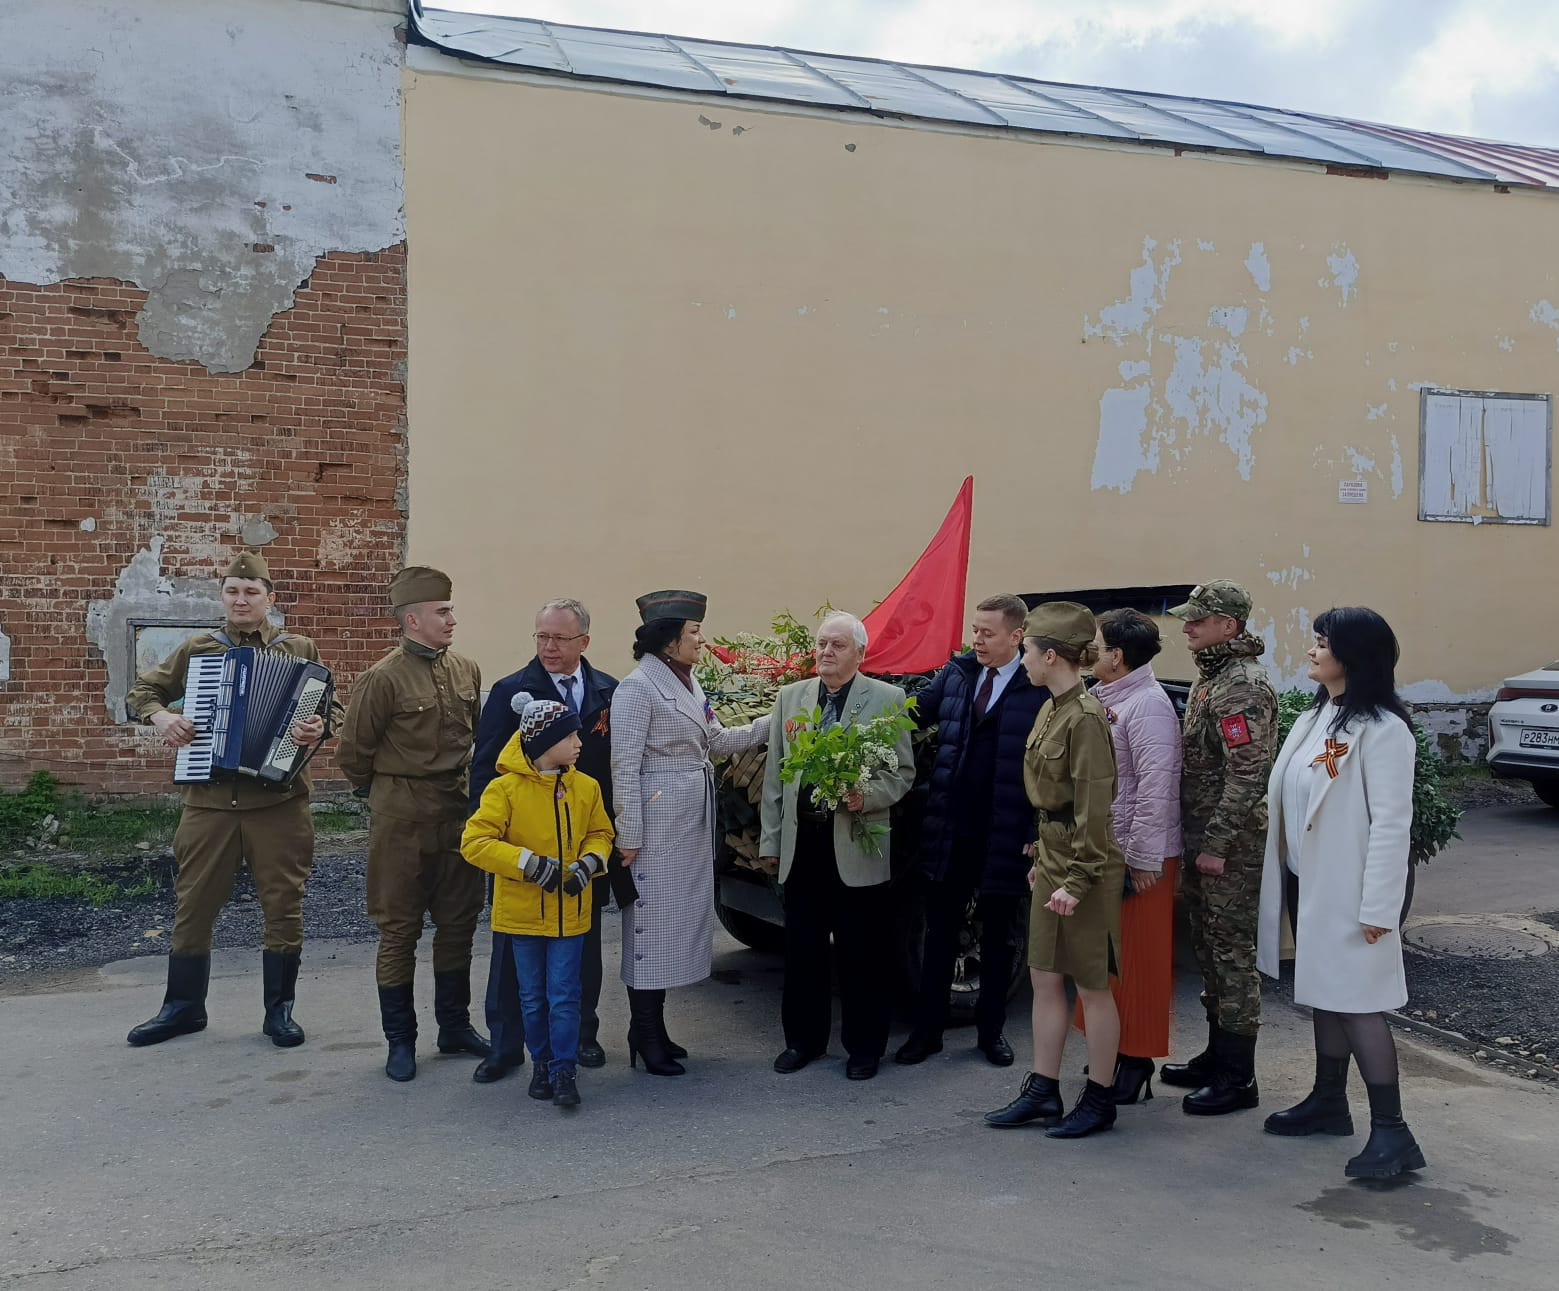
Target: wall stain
(1432, 1219)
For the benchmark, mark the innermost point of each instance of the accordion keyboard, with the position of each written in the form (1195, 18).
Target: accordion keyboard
(202, 691)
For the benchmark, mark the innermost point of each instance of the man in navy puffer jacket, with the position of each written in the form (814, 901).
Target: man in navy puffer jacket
(978, 821)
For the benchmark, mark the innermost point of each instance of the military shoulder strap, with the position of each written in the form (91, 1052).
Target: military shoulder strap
(221, 638)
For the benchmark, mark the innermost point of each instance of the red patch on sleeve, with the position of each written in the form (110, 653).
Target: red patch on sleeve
(1236, 732)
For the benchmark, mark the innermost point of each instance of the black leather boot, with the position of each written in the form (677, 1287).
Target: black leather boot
(1133, 1080)
(452, 1009)
(672, 1047)
(565, 1093)
(1324, 1110)
(1094, 1111)
(183, 1009)
(540, 1083)
(279, 970)
(1197, 1072)
(646, 1021)
(398, 1011)
(1391, 1148)
(1233, 1084)
(1038, 1103)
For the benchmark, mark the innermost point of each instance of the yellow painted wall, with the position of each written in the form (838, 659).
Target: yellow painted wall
(756, 354)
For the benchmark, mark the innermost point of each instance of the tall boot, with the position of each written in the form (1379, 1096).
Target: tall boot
(1391, 1148)
(1197, 1072)
(452, 1009)
(672, 1047)
(398, 1011)
(1324, 1110)
(1094, 1111)
(1233, 1084)
(183, 1003)
(646, 1021)
(279, 970)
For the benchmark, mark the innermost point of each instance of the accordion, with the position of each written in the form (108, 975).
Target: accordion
(244, 704)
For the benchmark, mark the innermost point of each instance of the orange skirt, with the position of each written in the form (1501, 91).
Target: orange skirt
(1144, 989)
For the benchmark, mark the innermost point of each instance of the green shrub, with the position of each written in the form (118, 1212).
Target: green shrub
(21, 812)
(1434, 817)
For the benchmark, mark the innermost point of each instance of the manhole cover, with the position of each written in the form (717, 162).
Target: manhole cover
(1476, 941)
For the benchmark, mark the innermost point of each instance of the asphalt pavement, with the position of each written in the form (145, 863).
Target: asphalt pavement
(218, 1161)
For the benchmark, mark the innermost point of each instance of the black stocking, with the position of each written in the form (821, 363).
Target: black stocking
(1367, 1036)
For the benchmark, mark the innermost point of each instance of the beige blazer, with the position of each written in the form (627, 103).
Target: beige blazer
(857, 868)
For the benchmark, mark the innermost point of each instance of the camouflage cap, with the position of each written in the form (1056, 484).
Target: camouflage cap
(1217, 597)
(1064, 621)
(687, 606)
(249, 564)
(418, 583)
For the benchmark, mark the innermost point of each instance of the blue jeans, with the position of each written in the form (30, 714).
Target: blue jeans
(548, 972)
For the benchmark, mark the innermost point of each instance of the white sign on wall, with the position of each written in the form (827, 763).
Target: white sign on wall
(1353, 491)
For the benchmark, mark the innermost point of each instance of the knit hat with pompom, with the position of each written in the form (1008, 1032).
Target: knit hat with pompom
(543, 722)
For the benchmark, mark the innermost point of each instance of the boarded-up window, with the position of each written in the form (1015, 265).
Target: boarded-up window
(1486, 458)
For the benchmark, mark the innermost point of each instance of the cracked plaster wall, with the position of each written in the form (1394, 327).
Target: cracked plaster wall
(207, 153)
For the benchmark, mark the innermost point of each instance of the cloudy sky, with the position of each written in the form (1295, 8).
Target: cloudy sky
(1488, 68)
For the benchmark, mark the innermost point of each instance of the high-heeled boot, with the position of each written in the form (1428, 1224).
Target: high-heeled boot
(672, 1047)
(1391, 1148)
(646, 1021)
(1324, 1109)
(1094, 1111)
(1133, 1080)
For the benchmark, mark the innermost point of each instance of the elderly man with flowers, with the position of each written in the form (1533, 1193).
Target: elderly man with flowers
(839, 758)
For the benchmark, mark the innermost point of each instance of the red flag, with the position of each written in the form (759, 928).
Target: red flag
(921, 623)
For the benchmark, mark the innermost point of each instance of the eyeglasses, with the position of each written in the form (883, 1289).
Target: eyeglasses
(546, 638)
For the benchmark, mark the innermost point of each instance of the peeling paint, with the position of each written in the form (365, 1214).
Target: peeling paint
(1203, 245)
(1375, 411)
(1149, 281)
(1361, 463)
(1125, 448)
(1396, 468)
(1506, 343)
(730, 311)
(5, 657)
(1232, 318)
(1260, 269)
(1215, 396)
(150, 160)
(1290, 577)
(1546, 314)
(1130, 371)
(1345, 272)
(1295, 354)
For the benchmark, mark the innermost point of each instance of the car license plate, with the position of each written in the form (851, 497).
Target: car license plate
(1539, 739)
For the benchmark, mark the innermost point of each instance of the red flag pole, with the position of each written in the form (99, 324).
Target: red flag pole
(920, 623)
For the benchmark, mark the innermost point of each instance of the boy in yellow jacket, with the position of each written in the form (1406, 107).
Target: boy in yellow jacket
(542, 830)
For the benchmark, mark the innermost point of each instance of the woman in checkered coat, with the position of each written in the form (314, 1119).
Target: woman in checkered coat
(663, 736)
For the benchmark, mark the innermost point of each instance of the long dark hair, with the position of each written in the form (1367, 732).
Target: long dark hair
(655, 636)
(1366, 647)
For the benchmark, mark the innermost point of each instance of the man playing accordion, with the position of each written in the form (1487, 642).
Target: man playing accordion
(233, 822)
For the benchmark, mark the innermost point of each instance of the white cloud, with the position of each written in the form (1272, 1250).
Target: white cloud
(1480, 67)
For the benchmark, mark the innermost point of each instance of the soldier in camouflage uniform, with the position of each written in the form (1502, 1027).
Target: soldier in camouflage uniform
(1230, 741)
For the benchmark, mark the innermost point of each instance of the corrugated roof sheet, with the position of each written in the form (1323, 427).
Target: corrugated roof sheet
(976, 98)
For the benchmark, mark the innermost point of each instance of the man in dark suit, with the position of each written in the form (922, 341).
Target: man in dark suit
(558, 668)
(978, 821)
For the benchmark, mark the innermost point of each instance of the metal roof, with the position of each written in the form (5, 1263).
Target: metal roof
(904, 90)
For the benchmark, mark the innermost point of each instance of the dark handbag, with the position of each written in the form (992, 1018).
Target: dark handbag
(620, 878)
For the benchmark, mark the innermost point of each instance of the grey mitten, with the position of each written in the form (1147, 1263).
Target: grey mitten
(580, 873)
(543, 871)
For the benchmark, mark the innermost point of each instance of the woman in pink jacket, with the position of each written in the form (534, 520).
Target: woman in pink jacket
(1146, 815)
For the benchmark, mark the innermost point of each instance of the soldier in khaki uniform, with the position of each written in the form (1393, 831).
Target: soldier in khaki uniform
(407, 740)
(1078, 876)
(1230, 742)
(227, 824)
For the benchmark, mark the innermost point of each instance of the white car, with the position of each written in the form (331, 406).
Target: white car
(1524, 731)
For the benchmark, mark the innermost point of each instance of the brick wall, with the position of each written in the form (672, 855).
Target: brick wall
(106, 451)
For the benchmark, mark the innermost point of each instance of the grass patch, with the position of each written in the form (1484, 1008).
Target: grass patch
(99, 827)
(331, 820)
(41, 882)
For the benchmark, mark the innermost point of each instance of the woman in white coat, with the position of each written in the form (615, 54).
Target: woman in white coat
(663, 734)
(1340, 804)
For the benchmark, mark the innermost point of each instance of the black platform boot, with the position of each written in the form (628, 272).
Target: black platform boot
(398, 1011)
(646, 1022)
(1197, 1072)
(1094, 1111)
(1133, 1080)
(1324, 1110)
(1038, 1103)
(279, 970)
(1233, 1085)
(1391, 1148)
(452, 1009)
(183, 1009)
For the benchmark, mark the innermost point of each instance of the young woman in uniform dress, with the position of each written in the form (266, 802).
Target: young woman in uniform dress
(1078, 877)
